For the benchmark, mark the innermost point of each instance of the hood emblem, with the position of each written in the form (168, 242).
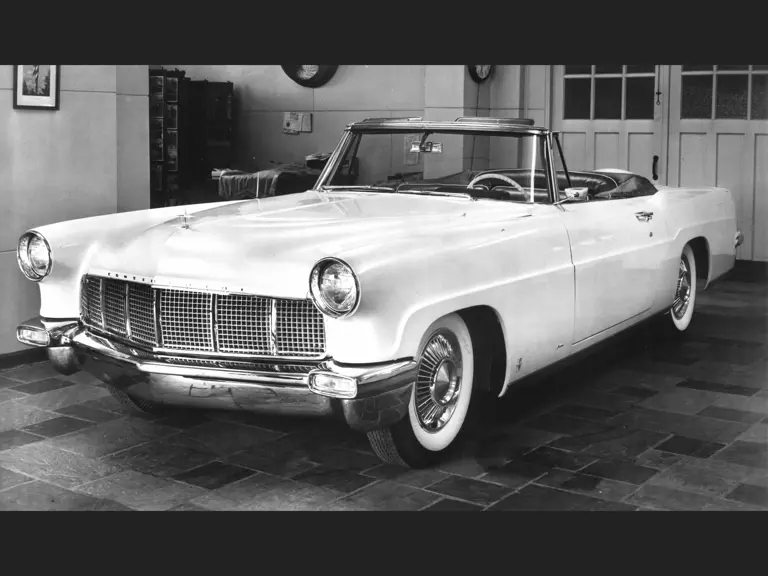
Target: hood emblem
(185, 218)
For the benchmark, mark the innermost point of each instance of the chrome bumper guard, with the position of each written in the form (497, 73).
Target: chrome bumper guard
(372, 396)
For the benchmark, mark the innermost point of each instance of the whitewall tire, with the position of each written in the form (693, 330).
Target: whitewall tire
(684, 301)
(440, 400)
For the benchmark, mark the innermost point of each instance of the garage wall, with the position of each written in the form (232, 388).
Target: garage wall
(87, 158)
(264, 93)
(132, 109)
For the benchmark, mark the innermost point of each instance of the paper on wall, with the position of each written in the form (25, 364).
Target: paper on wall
(291, 123)
(295, 122)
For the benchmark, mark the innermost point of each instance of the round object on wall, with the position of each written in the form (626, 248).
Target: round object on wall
(481, 72)
(310, 75)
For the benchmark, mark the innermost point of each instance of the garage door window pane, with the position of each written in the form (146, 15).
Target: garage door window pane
(641, 68)
(640, 102)
(696, 67)
(608, 98)
(578, 92)
(760, 97)
(697, 97)
(733, 66)
(608, 69)
(578, 69)
(731, 96)
(759, 66)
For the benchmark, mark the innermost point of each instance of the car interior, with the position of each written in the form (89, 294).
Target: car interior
(600, 185)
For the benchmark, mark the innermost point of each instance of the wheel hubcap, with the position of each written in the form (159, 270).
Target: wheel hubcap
(438, 382)
(683, 292)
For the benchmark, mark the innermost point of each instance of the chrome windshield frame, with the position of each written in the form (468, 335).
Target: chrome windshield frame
(330, 167)
(543, 138)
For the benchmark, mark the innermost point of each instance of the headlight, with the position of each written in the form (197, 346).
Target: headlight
(34, 256)
(334, 287)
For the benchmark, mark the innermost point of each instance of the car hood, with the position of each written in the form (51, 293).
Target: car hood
(269, 246)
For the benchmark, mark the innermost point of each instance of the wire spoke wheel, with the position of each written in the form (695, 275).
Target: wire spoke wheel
(439, 399)
(683, 291)
(438, 383)
(681, 310)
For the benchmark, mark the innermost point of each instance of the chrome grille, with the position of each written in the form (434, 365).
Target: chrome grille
(244, 324)
(196, 321)
(186, 320)
(299, 328)
(90, 301)
(141, 313)
(242, 365)
(114, 308)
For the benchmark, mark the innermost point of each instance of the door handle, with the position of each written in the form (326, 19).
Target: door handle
(644, 216)
(655, 168)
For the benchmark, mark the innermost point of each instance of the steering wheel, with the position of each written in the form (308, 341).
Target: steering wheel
(493, 176)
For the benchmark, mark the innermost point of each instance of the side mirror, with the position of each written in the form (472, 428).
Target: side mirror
(573, 195)
(576, 194)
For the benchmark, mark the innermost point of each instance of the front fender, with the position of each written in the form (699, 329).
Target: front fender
(523, 272)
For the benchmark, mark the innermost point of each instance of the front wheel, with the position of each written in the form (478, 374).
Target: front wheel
(440, 399)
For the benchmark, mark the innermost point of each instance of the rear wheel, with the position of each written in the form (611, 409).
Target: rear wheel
(440, 399)
(680, 314)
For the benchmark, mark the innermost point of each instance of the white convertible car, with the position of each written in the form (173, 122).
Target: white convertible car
(432, 262)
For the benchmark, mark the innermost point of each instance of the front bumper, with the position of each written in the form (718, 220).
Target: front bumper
(381, 399)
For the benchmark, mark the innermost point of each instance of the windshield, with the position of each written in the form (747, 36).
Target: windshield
(508, 167)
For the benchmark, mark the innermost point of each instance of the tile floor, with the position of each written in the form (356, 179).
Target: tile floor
(641, 425)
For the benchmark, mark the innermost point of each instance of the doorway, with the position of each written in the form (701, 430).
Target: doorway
(609, 117)
(679, 125)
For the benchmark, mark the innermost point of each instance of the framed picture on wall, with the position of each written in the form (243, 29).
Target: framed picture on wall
(36, 86)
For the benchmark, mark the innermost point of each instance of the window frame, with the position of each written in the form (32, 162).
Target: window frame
(624, 75)
(750, 72)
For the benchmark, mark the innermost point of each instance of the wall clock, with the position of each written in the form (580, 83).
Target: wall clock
(310, 75)
(481, 72)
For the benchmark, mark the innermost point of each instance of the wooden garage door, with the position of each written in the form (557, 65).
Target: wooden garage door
(718, 136)
(610, 116)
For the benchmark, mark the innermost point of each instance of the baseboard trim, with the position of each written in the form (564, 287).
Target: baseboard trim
(14, 359)
(749, 271)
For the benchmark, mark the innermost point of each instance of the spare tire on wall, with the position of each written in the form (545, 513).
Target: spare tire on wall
(310, 75)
